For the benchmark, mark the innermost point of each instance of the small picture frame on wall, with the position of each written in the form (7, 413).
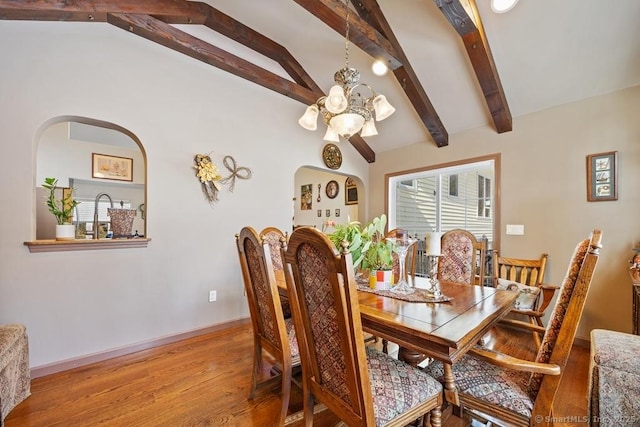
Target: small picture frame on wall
(350, 192)
(104, 166)
(602, 177)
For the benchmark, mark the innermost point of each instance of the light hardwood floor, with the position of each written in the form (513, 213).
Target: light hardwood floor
(204, 381)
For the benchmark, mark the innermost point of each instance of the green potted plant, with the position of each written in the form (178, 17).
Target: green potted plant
(370, 252)
(61, 208)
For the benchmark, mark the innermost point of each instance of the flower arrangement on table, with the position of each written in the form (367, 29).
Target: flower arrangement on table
(368, 246)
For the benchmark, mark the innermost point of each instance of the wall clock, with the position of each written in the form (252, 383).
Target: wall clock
(332, 156)
(332, 189)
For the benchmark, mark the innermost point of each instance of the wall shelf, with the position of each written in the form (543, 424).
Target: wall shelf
(85, 245)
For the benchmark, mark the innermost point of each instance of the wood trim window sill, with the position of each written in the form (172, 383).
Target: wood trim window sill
(85, 245)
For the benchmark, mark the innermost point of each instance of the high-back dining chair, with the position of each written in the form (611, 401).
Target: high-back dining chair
(360, 385)
(525, 276)
(521, 392)
(272, 236)
(271, 331)
(462, 259)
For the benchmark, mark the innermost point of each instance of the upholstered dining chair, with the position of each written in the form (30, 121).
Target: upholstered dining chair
(360, 385)
(271, 331)
(525, 276)
(462, 259)
(15, 377)
(272, 236)
(521, 392)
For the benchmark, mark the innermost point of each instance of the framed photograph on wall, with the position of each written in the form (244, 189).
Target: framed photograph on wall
(602, 177)
(104, 166)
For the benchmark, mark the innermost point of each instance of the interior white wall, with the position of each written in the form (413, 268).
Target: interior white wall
(543, 179)
(80, 303)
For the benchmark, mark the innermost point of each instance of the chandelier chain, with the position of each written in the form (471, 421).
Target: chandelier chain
(346, 38)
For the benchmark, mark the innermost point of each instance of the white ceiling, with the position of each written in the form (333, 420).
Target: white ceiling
(547, 53)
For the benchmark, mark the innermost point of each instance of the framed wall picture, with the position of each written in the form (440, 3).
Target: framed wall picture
(306, 197)
(350, 192)
(602, 177)
(104, 166)
(332, 189)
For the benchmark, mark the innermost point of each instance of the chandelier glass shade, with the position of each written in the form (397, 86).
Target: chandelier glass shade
(346, 110)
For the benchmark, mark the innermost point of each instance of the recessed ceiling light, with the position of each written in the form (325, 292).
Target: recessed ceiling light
(502, 6)
(379, 67)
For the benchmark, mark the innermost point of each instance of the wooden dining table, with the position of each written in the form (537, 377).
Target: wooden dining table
(444, 331)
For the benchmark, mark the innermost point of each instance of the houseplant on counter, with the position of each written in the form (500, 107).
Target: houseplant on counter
(371, 253)
(62, 209)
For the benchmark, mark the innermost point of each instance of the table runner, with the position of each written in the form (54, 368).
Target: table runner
(419, 295)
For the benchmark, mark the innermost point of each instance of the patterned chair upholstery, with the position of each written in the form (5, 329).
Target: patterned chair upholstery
(461, 252)
(271, 331)
(524, 391)
(273, 237)
(15, 377)
(360, 385)
(614, 379)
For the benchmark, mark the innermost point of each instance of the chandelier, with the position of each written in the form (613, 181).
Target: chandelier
(346, 111)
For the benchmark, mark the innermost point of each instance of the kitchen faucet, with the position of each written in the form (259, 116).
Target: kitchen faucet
(96, 233)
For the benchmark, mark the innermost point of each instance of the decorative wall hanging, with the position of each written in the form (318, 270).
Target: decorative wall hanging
(332, 189)
(332, 156)
(602, 177)
(211, 179)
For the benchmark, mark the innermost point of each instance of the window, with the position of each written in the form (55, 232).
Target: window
(453, 185)
(445, 197)
(484, 197)
(409, 184)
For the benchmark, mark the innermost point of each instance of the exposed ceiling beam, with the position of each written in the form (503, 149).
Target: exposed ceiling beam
(171, 37)
(468, 24)
(373, 35)
(151, 18)
(93, 10)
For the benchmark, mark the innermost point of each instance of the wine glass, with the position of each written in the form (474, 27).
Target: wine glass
(402, 246)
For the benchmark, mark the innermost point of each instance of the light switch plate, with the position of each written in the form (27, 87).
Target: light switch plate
(515, 229)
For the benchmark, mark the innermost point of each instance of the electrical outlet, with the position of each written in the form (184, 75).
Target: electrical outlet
(213, 295)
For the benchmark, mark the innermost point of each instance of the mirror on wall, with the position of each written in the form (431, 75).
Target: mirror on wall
(94, 158)
(322, 195)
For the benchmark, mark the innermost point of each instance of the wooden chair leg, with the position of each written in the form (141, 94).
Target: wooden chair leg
(536, 336)
(286, 393)
(257, 368)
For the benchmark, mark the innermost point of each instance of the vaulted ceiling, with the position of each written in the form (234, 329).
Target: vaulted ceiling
(444, 77)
